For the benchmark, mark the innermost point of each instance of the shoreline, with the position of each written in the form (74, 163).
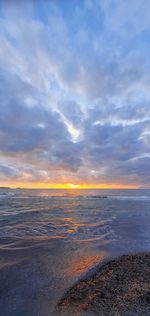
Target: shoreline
(119, 287)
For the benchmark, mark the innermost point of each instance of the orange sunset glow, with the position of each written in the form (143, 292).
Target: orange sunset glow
(71, 186)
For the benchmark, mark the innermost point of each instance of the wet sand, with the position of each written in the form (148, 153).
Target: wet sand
(119, 287)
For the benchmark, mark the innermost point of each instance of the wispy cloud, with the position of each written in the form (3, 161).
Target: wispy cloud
(74, 91)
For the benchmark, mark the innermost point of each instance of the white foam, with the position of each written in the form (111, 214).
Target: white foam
(130, 197)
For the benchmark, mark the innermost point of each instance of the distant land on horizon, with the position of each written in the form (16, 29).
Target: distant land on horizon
(1, 188)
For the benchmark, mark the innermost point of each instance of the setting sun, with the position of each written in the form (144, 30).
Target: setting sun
(73, 186)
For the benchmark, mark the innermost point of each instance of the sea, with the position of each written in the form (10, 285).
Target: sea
(50, 239)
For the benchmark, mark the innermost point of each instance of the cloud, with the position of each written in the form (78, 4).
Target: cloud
(8, 171)
(74, 91)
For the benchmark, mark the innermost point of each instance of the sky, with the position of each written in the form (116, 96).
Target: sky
(75, 93)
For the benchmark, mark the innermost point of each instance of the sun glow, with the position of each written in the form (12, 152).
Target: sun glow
(41, 185)
(73, 186)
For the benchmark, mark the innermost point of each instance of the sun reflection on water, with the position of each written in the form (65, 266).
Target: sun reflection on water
(83, 262)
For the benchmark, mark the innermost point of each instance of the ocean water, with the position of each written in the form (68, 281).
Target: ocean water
(51, 238)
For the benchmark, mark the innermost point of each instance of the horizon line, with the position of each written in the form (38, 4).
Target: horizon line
(77, 188)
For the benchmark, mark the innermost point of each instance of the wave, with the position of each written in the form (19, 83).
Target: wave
(6, 194)
(131, 197)
(75, 197)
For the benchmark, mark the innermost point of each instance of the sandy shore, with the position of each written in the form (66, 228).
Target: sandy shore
(120, 287)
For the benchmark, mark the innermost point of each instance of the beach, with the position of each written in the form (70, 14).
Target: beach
(120, 287)
(52, 239)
